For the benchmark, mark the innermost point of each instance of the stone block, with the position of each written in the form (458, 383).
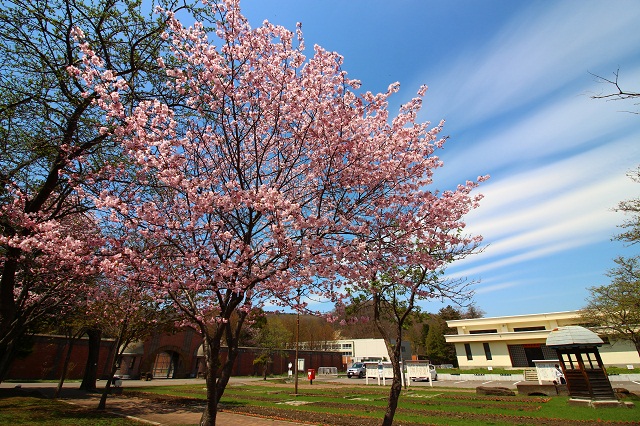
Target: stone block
(494, 390)
(532, 389)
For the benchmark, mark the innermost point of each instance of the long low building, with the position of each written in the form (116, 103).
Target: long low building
(358, 350)
(162, 356)
(515, 341)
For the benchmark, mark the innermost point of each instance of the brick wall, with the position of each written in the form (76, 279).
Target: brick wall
(46, 360)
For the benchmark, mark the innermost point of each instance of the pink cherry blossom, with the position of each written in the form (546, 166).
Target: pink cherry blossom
(276, 175)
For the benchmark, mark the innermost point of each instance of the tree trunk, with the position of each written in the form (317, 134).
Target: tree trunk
(107, 387)
(396, 385)
(91, 368)
(7, 353)
(394, 355)
(114, 365)
(227, 369)
(8, 321)
(71, 340)
(211, 353)
(7, 286)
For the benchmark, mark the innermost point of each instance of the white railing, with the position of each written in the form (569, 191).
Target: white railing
(327, 371)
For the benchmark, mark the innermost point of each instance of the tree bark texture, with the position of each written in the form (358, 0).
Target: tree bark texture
(91, 367)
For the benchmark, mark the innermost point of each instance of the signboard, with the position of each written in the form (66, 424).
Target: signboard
(546, 370)
(419, 370)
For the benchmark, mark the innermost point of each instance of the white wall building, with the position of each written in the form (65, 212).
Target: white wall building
(515, 341)
(357, 350)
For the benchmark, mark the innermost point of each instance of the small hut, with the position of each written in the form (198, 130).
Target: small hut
(581, 363)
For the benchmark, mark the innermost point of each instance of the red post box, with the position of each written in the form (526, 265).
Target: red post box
(311, 374)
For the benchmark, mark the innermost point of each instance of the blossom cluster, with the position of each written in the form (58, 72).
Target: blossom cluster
(275, 174)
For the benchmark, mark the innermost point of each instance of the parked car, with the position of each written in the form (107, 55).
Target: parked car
(357, 369)
(432, 372)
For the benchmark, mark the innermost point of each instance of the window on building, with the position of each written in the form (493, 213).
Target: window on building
(537, 328)
(548, 353)
(487, 351)
(467, 349)
(518, 356)
(493, 330)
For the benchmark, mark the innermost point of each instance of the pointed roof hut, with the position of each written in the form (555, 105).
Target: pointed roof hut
(577, 350)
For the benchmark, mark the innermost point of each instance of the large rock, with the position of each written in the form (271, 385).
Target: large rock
(494, 390)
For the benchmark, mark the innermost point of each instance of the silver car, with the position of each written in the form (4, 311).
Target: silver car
(357, 369)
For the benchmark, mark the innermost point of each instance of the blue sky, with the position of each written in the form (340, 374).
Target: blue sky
(511, 79)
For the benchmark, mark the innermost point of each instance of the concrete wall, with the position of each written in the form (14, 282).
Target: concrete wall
(620, 354)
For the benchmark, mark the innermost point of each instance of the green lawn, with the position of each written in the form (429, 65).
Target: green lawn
(419, 406)
(337, 404)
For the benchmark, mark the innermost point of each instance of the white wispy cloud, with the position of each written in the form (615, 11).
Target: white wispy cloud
(553, 208)
(522, 112)
(548, 46)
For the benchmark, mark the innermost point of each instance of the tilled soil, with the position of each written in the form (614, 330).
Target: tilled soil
(340, 417)
(349, 420)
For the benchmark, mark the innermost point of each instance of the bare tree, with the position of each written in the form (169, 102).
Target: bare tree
(618, 93)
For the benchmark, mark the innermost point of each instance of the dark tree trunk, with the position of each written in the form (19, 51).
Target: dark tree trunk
(7, 353)
(212, 359)
(91, 369)
(118, 347)
(394, 350)
(71, 339)
(107, 387)
(217, 376)
(396, 384)
(7, 311)
(7, 286)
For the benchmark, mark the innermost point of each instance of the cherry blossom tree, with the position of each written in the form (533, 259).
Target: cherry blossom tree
(276, 174)
(48, 135)
(53, 268)
(401, 260)
(130, 312)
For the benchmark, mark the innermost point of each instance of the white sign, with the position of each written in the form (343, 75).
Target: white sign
(546, 370)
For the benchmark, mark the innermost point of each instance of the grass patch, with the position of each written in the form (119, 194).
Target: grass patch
(30, 410)
(622, 370)
(416, 406)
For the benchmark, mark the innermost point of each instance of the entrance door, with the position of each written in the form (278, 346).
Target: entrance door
(533, 352)
(165, 365)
